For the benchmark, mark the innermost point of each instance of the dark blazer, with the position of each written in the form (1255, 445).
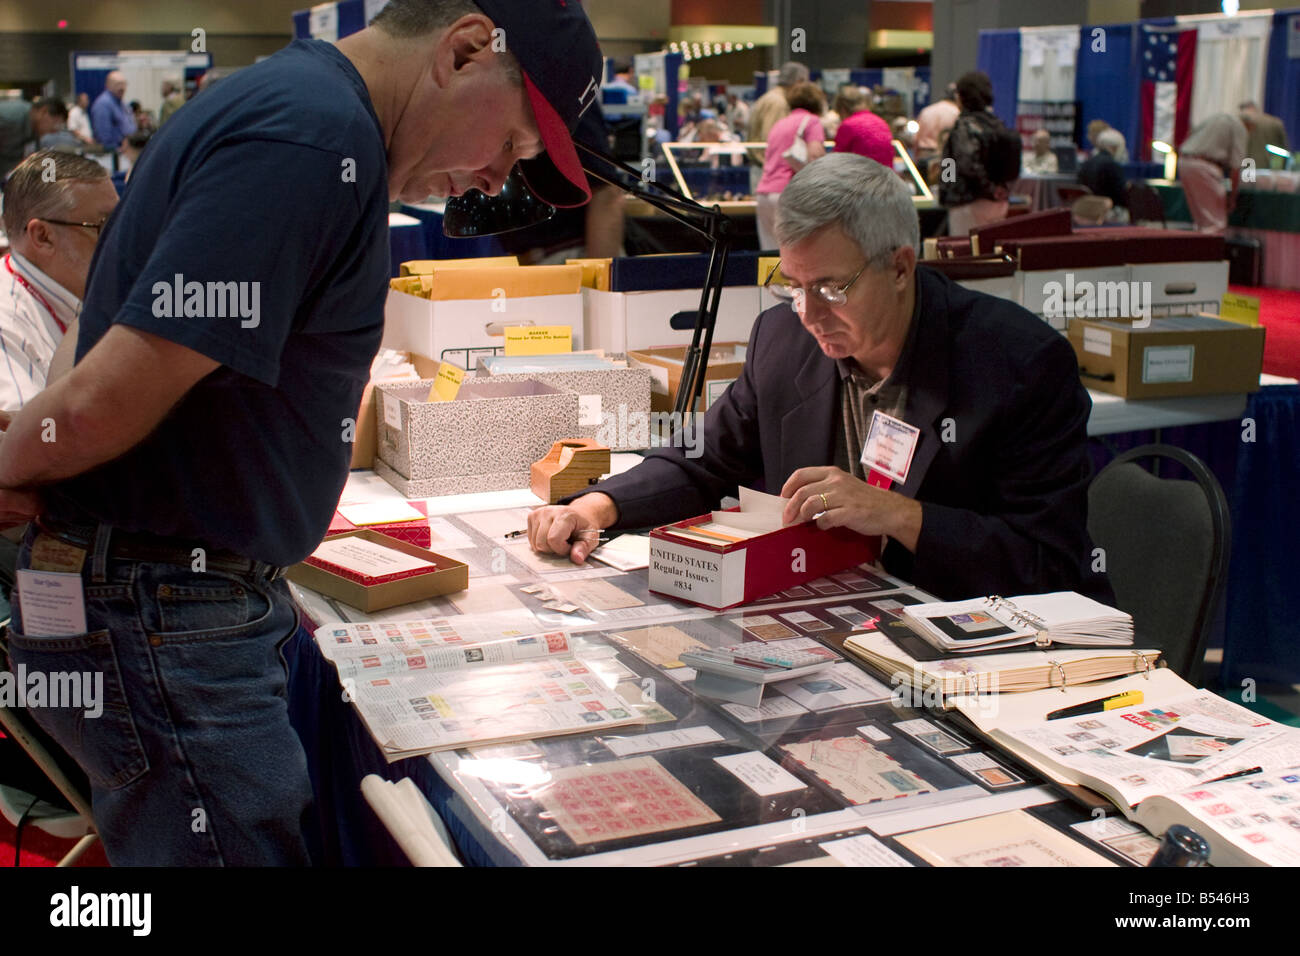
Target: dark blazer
(1004, 500)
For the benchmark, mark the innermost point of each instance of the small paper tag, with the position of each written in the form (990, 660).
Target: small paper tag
(1167, 363)
(52, 604)
(588, 410)
(1239, 308)
(538, 339)
(446, 383)
(889, 446)
(392, 411)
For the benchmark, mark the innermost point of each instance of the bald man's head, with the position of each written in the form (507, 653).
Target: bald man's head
(115, 83)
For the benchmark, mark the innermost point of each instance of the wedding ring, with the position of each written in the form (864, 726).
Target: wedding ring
(826, 505)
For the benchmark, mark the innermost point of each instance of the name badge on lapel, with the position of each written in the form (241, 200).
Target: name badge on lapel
(889, 447)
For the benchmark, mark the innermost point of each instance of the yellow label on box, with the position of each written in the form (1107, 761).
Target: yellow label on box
(446, 384)
(769, 266)
(1240, 308)
(538, 339)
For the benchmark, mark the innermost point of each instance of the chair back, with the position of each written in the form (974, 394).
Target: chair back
(1166, 544)
(1144, 205)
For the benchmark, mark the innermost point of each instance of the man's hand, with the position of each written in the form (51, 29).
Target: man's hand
(850, 503)
(551, 528)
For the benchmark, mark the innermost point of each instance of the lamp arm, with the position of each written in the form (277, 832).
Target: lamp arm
(712, 224)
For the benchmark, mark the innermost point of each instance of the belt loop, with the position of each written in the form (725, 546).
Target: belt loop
(99, 556)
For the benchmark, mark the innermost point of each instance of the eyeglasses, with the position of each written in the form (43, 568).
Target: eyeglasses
(828, 292)
(85, 225)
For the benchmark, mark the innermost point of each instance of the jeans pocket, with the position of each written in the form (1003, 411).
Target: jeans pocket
(208, 607)
(72, 687)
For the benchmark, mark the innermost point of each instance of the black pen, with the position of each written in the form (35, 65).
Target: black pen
(1239, 773)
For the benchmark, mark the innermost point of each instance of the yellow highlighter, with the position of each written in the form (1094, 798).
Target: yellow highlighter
(1126, 699)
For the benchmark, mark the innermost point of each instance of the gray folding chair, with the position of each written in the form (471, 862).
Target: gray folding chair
(1166, 543)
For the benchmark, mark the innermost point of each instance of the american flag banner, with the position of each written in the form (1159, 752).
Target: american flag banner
(1168, 64)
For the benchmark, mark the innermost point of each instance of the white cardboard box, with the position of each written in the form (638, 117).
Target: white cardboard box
(1183, 288)
(619, 321)
(430, 327)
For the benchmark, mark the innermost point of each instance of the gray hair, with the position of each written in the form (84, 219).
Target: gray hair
(864, 198)
(31, 193)
(791, 73)
(1111, 140)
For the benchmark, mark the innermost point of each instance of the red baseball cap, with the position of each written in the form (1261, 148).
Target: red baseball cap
(556, 48)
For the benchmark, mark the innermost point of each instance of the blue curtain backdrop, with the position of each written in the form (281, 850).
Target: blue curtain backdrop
(999, 57)
(1263, 602)
(1106, 81)
(1282, 78)
(302, 25)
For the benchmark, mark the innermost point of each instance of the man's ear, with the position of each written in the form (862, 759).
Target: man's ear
(904, 266)
(461, 43)
(40, 238)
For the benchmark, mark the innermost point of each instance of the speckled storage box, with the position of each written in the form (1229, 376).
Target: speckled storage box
(484, 441)
(608, 400)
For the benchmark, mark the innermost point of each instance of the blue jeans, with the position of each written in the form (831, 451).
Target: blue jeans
(191, 760)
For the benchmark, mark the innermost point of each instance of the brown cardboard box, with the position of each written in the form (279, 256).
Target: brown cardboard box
(726, 359)
(451, 576)
(1173, 356)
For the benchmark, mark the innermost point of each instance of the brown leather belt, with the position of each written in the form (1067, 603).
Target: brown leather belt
(129, 546)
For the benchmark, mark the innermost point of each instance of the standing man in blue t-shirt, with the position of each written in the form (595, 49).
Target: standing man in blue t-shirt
(200, 443)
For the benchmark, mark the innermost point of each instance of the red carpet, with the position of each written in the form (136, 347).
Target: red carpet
(41, 849)
(1279, 313)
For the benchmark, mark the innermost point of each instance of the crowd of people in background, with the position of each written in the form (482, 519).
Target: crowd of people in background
(109, 127)
(970, 159)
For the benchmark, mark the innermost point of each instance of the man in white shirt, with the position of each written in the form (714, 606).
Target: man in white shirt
(933, 120)
(79, 119)
(54, 206)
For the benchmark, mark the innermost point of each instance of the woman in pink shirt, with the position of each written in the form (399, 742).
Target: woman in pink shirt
(806, 104)
(863, 132)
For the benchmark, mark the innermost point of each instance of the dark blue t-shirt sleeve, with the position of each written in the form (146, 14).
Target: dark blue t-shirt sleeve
(265, 216)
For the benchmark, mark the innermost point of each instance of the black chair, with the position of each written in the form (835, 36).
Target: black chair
(1144, 205)
(1166, 544)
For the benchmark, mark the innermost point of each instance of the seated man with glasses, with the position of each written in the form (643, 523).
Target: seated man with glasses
(54, 206)
(994, 497)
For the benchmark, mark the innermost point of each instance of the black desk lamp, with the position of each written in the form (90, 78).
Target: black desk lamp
(476, 214)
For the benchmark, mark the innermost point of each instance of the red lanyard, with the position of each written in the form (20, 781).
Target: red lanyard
(36, 295)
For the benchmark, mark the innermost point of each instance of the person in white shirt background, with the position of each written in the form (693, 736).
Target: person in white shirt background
(79, 119)
(55, 204)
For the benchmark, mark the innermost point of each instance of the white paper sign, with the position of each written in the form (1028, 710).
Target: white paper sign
(52, 604)
(1167, 363)
(760, 773)
(367, 558)
(1096, 341)
(889, 446)
(325, 21)
(864, 850)
(664, 740)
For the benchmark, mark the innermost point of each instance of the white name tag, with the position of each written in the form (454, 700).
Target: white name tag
(889, 446)
(52, 604)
